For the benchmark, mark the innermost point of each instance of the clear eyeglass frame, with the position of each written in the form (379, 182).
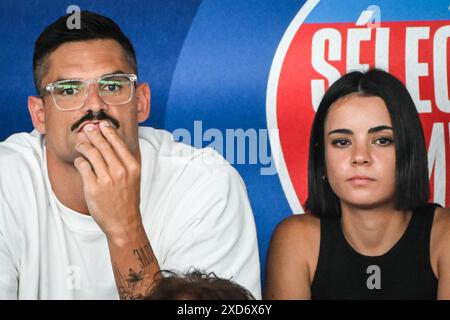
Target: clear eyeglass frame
(50, 88)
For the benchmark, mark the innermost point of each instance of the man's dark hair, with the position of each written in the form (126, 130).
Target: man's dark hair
(93, 27)
(412, 188)
(196, 285)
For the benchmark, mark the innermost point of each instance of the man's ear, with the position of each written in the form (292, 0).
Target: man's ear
(36, 109)
(143, 101)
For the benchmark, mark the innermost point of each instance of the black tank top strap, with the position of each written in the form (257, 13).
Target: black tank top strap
(421, 229)
(425, 216)
(329, 239)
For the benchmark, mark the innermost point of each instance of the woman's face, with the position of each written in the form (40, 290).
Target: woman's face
(360, 151)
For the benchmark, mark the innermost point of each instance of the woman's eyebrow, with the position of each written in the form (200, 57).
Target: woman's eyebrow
(380, 128)
(344, 131)
(371, 130)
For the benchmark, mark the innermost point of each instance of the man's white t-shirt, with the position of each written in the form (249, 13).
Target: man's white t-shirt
(194, 208)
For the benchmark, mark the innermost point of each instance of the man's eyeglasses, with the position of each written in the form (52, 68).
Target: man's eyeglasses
(114, 89)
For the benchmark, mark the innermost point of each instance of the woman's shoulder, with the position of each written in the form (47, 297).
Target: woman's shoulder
(299, 229)
(440, 235)
(440, 250)
(292, 257)
(441, 225)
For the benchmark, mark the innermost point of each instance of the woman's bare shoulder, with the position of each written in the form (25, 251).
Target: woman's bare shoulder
(292, 257)
(298, 229)
(441, 226)
(440, 250)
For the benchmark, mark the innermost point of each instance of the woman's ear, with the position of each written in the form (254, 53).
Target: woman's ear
(36, 109)
(143, 101)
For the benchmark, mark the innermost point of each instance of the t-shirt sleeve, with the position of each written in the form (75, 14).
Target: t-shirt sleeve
(8, 271)
(216, 231)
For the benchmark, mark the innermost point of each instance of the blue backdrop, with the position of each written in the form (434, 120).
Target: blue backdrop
(206, 61)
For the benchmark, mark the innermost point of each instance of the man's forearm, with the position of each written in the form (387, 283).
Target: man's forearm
(134, 264)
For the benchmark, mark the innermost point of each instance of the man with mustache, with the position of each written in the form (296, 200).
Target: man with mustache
(92, 206)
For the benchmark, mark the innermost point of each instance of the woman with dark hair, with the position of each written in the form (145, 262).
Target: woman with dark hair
(369, 231)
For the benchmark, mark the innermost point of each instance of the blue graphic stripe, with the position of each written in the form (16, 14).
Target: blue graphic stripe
(409, 10)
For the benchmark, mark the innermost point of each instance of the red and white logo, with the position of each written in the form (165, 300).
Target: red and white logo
(311, 56)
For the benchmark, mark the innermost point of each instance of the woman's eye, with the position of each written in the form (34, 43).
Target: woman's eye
(384, 141)
(340, 143)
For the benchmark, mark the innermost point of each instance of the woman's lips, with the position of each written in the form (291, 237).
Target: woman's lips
(360, 180)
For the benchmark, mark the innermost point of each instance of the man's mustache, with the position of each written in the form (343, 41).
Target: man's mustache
(91, 116)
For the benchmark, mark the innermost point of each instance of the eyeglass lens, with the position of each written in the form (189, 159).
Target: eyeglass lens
(71, 94)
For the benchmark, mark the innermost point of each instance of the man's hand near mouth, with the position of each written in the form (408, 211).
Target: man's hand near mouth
(94, 123)
(111, 184)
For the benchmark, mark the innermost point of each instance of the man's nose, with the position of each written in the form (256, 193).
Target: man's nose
(93, 100)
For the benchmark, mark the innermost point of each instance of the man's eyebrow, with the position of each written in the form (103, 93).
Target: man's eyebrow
(114, 72)
(371, 130)
(106, 74)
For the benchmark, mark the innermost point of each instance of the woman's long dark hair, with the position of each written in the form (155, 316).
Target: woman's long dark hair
(412, 187)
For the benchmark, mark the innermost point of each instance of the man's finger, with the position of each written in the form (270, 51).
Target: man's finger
(104, 147)
(118, 144)
(91, 154)
(84, 168)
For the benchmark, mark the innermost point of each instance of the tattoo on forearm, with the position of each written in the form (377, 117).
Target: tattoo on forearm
(144, 255)
(135, 284)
